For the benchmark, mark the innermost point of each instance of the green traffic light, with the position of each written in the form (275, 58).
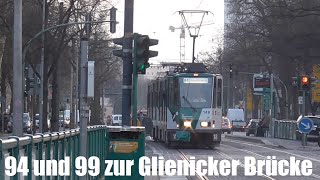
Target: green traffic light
(142, 67)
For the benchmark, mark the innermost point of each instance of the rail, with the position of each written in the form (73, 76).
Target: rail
(285, 129)
(53, 146)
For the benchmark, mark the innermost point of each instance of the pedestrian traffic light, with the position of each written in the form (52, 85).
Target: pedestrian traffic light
(305, 83)
(117, 52)
(113, 23)
(142, 53)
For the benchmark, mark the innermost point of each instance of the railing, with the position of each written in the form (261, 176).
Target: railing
(285, 129)
(51, 146)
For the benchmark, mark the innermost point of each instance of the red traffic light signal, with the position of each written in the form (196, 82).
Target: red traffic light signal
(305, 82)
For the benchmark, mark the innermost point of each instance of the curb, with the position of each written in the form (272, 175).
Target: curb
(244, 138)
(264, 141)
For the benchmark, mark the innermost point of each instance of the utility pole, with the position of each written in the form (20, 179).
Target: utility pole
(84, 109)
(42, 68)
(229, 87)
(271, 105)
(83, 99)
(127, 62)
(17, 68)
(72, 121)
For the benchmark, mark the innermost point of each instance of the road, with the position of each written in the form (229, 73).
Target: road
(237, 150)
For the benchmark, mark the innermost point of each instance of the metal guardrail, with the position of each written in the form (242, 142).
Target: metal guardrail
(285, 129)
(53, 146)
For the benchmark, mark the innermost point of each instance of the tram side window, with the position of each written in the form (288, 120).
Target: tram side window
(219, 93)
(171, 92)
(214, 92)
(176, 91)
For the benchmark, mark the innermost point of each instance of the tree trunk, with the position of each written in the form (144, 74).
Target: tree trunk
(55, 99)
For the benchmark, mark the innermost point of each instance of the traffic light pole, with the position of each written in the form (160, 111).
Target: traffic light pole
(304, 103)
(134, 87)
(17, 67)
(127, 62)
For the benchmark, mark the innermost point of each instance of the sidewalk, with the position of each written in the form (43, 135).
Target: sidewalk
(281, 143)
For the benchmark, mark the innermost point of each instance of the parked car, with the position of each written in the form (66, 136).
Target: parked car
(236, 117)
(27, 124)
(36, 118)
(117, 120)
(314, 134)
(226, 125)
(252, 126)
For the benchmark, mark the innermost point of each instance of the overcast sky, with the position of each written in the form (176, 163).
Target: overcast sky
(154, 17)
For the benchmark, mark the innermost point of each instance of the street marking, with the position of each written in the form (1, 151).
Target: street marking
(250, 152)
(241, 164)
(241, 142)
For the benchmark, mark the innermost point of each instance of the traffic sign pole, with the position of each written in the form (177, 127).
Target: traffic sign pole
(304, 103)
(305, 126)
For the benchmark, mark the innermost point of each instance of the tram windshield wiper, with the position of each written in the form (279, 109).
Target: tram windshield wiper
(194, 109)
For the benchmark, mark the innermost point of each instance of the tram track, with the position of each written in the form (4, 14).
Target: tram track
(184, 157)
(227, 152)
(225, 156)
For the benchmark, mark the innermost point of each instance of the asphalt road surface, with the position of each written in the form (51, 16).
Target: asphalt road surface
(238, 150)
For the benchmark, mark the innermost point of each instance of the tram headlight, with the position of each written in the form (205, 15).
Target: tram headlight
(204, 124)
(187, 123)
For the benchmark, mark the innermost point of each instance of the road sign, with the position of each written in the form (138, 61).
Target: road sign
(261, 82)
(305, 125)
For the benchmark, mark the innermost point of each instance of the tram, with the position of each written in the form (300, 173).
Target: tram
(186, 106)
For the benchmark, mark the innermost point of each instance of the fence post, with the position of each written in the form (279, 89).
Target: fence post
(29, 154)
(15, 153)
(48, 154)
(62, 149)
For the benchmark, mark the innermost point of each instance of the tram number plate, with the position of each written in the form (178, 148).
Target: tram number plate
(215, 136)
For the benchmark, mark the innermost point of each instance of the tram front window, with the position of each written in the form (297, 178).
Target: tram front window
(195, 92)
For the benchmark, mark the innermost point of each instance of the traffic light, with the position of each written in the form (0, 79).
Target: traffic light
(230, 70)
(313, 82)
(113, 23)
(141, 52)
(26, 87)
(305, 83)
(118, 52)
(295, 81)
